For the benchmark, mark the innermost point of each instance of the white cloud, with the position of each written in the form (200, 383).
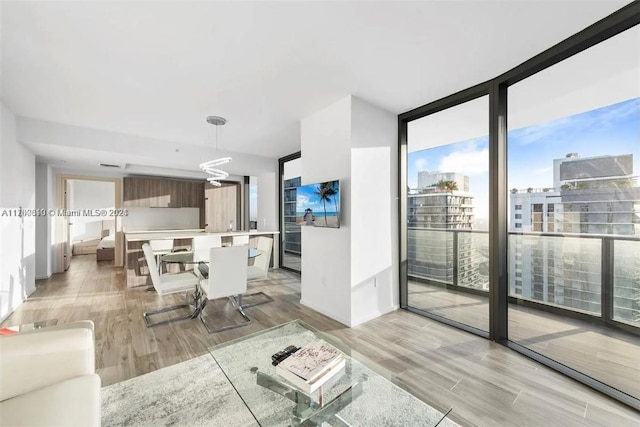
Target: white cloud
(468, 162)
(302, 201)
(421, 164)
(542, 170)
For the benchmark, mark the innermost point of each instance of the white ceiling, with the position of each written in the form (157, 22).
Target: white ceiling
(157, 69)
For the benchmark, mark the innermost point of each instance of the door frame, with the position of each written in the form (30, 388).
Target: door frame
(61, 223)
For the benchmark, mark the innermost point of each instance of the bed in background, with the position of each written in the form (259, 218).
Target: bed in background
(106, 248)
(103, 247)
(84, 245)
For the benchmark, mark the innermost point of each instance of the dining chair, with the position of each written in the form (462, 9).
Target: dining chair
(170, 284)
(161, 247)
(202, 244)
(240, 240)
(227, 277)
(260, 268)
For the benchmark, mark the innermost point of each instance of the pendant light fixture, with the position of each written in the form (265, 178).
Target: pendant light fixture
(210, 166)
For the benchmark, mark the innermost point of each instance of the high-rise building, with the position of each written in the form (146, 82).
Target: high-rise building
(428, 179)
(292, 235)
(594, 196)
(440, 224)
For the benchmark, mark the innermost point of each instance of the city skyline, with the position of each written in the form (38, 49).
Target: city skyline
(609, 130)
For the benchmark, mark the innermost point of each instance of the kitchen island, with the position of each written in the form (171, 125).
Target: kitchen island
(136, 266)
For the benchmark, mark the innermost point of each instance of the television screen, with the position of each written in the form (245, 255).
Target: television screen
(318, 205)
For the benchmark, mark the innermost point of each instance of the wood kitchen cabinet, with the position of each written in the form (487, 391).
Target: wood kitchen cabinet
(221, 206)
(162, 193)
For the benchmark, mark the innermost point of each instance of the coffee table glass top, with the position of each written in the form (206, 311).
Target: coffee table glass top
(356, 396)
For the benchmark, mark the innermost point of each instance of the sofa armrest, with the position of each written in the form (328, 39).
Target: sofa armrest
(35, 360)
(86, 324)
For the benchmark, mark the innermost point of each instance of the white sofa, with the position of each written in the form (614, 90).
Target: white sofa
(47, 377)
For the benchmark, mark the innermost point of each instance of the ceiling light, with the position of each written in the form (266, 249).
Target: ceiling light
(209, 166)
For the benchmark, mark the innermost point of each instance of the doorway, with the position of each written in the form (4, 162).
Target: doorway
(88, 219)
(290, 234)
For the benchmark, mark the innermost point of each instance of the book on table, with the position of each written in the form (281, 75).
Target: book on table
(311, 366)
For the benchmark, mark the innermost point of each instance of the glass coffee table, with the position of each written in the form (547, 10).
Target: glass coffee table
(191, 258)
(358, 395)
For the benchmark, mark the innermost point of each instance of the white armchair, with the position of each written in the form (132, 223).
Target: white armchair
(47, 377)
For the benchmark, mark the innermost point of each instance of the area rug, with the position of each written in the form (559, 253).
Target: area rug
(192, 393)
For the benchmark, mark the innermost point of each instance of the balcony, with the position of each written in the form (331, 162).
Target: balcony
(583, 311)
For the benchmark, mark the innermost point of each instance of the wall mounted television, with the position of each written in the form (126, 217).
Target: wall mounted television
(318, 205)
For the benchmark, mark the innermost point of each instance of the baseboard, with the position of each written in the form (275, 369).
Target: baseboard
(11, 310)
(349, 322)
(345, 322)
(43, 277)
(375, 315)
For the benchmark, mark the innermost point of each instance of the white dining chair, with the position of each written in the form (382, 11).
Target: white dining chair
(201, 245)
(260, 268)
(161, 247)
(170, 284)
(240, 240)
(227, 277)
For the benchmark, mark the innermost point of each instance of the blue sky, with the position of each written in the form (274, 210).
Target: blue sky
(306, 198)
(253, 202)
(610, 130)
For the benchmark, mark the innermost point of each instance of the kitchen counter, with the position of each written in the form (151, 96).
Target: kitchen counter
(136, 266)
(139, 236)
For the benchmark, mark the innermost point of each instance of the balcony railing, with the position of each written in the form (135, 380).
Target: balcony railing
(596, 275)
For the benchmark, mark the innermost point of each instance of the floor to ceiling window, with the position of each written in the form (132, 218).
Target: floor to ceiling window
(291, 244)
(574, 211)
(448, 212)
(520, 207)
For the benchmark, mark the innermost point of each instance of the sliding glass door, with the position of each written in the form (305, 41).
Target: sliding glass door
(574, 221)
(448, 213)
(520, 207)
(291, 245)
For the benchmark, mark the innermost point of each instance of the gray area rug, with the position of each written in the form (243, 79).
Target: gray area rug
(192, 393)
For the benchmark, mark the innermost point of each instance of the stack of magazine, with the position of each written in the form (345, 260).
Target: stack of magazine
(311, 366)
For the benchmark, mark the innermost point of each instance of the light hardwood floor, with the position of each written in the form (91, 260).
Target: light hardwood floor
(606, 354)
(485, 384)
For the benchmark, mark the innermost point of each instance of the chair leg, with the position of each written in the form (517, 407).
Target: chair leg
(194, 312)
(213, 330)
(267, 299)
(148, 314)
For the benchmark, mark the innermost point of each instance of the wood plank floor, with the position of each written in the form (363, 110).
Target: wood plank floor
(606, 354)
(485, 384)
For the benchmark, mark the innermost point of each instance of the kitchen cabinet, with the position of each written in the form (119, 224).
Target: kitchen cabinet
(162, 193)
(221, 206)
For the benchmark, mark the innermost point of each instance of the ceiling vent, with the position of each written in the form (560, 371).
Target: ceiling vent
(108, 165)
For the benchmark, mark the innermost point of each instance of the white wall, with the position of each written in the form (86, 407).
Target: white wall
(45, 199)
(374, 212)
(268, 199)
(326, 252)
(85, 195)
(17, 234)
(351, 273)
